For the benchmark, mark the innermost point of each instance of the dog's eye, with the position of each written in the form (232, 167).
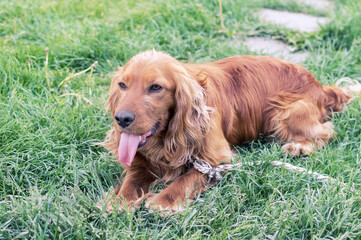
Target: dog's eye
(155, 88)
(122, 86)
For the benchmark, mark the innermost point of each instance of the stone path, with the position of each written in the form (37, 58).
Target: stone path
(274, 48)
(295, 21)
(302, 23)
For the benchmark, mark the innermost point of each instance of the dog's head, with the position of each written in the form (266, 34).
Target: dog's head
(154, 98)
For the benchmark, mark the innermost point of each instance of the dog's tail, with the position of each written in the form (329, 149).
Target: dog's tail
(338, 96)
(350, 86)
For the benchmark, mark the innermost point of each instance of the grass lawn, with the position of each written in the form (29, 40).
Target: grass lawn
(52, 175)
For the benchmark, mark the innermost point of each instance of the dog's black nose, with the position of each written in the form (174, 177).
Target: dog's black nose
(124, 118)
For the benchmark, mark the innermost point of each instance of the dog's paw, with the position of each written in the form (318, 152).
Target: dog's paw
(111, 206)
(113, 203)
(296, 149)
(164, 202)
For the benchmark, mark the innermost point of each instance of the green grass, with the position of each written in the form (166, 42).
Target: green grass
(52, 174)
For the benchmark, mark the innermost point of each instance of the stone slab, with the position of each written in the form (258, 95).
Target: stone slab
(295, 21)
(274, 48)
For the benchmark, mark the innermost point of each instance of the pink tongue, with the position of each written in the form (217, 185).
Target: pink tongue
(128, 146)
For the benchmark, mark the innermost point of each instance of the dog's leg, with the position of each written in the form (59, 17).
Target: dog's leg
(136, 183)
(187, 186)
(174, 197)
(300, 124)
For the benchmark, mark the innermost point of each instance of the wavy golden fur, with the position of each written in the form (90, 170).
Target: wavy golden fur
(205, 109)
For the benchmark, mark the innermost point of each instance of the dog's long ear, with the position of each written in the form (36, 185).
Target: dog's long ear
(114, 95)
(190, 121)
(111, 141)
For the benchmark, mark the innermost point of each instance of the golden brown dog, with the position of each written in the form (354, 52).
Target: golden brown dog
(166, 112)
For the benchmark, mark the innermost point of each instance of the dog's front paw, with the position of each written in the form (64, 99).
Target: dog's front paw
(113, 203)
(110, 206)
(164, 202)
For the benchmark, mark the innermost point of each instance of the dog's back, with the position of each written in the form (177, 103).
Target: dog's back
(263, 95)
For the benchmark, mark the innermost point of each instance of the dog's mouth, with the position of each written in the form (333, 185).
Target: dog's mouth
(129, 143)
(145, 137)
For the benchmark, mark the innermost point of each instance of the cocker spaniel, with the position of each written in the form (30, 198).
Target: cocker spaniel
(166, 112)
